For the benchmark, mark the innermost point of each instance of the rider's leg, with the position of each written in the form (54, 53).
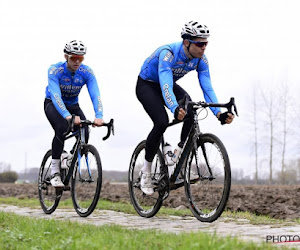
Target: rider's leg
(149, 94)
(60, 125)
(180, 93)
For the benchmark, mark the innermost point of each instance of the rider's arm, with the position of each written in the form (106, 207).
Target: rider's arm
(205, 83)
(55, 93)
(94, 92)
(166, 79)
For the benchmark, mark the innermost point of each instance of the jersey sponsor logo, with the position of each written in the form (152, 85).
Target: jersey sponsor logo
(90, 71)
(167, 94)
(168, 57)
(190, 65)
(52, 70)
(81, 69)
(179, 71)
(69, 90)
(65, 87)
(77, 80)
(204, 59)
(100, 107)
(59, 102)
(59, 70)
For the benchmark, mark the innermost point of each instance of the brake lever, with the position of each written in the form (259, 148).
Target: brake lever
(110, 129)
(230, 104)
(235, 109)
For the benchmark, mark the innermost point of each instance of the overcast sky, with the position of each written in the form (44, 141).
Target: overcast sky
(251, 41)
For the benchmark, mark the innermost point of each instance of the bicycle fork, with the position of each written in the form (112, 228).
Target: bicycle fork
(195, 144)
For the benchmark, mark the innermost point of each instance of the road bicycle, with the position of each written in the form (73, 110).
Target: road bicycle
(203, 169)
(84, 171)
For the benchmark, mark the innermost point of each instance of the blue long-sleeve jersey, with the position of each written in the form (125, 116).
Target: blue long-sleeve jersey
(169, 63)
(64, 87)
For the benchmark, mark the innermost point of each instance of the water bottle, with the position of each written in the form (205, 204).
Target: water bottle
(168, 152)
(176, 154)
(63, 160)
(69, 160)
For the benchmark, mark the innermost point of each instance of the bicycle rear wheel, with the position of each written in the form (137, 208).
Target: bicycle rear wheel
(145, 205)
(48, 196)
(208, 188)
(86, 181)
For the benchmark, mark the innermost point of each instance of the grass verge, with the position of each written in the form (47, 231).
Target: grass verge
(19, 232)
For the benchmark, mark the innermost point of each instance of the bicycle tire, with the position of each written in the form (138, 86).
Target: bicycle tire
(145, 205)
(208, 195)
(47, 194)
(86, 181)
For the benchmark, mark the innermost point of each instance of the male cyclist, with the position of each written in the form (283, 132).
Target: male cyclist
(157, 87)
(65, 80)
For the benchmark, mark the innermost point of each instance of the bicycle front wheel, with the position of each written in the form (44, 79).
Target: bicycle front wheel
(145, 205)
(207, 178)
(48, 196)
(86, 181)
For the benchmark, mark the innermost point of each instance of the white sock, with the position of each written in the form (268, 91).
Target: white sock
(147, 167)
(55, 163)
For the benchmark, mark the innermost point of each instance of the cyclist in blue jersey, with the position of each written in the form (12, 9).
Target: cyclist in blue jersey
(157, 87)
(65, 80)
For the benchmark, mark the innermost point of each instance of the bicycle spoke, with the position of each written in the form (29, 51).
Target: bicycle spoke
(86, 185)
(47, 194)
(145, 205)
(209, 194)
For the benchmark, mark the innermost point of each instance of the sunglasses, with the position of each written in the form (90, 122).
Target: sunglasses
(199, 44)
(76, 58)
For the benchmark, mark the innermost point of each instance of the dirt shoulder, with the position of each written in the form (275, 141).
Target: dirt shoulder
(280, 202)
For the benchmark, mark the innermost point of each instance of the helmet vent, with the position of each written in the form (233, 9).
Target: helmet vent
(75, 47)
(194, 29)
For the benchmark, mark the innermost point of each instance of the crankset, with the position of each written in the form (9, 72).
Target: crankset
(163, 186)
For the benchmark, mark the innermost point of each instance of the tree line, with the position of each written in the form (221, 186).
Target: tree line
(274, 135)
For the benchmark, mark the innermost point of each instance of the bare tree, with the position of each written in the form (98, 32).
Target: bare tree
(284, 104)
(269, 110)
(254, 122)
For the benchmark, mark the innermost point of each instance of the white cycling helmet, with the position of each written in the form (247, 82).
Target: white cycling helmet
(194, 29)
(75, 47)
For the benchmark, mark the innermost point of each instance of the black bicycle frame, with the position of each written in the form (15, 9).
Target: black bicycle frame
(80, 142)
(186, 149)
(193, 137)
(75, 153)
